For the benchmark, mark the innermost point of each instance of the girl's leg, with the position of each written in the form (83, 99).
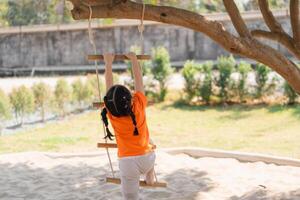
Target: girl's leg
(130, 188)
(150, 176)
(146, 166)
(129, 179)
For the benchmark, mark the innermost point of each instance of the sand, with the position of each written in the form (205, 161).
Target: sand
(43, 176)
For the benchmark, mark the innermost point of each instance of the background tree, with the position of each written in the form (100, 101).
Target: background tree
(28, 12)
(82, 92)
(3, 13)
(22, 102)
(54, 11)
(57, 12)
(62, 96)
(244, 44)
(4, 109)
(42, 98)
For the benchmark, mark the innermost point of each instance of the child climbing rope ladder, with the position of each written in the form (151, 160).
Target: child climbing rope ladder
(126, 112)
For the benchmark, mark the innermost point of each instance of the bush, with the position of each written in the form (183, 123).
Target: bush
(4, 109)
(161, 69)
(191, 83)
(62, 96)
(243, 69)
(93, 85)
(82, 92)
(261, 77)
(226, 66)
(4, 106)
(290, 93)
(206, 85)
(42, 97)
(22, 102)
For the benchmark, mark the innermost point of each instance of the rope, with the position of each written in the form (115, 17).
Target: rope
(141, 29)
(92, 41)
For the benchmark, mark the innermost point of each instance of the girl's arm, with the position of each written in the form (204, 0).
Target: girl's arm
(137, 73)
(108, 59)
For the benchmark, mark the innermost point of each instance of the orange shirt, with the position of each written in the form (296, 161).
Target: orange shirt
(129, 144)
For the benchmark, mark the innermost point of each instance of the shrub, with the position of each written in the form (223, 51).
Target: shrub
(290, 93)
(62, 96)
(226, 66)
(93, 85)
(261, 77)
(191, 83)
(4, 106)
(42, 97)
(243, 69)
(22, 102)
(161, 69)
(82, 92)
(4, 109)
(206, 85)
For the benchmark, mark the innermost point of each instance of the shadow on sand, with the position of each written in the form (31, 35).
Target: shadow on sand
(84, 182)
(263, 194)
(66, 182)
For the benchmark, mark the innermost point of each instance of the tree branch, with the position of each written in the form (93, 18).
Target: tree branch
(165, 14)
(245, 46)
(286, 40)
(269, 18)
(295, 21)
(277, 33)
(236, 18)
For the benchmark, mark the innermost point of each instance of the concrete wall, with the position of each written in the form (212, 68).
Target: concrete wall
(46, 48)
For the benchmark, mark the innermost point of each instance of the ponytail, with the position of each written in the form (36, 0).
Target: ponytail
(109, 135)
(135, 132)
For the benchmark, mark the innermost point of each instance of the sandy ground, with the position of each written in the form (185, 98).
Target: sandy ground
(46, 176)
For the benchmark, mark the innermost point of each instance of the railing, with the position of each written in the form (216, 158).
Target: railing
(117, 67)
(250, 15)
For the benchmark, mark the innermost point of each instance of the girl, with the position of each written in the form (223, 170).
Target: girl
(126, 113)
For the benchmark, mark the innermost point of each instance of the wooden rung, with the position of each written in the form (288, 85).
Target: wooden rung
(142, 183)
(107, 145)
(117, 57)
(112, 145)
(98, 105)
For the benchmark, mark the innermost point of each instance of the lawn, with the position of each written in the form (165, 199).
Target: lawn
(265, 129)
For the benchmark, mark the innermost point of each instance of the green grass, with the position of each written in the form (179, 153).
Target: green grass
(264, 129)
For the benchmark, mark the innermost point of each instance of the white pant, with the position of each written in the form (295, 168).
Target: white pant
(130, 170)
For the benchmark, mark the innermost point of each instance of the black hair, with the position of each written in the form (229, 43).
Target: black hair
(118, 102)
